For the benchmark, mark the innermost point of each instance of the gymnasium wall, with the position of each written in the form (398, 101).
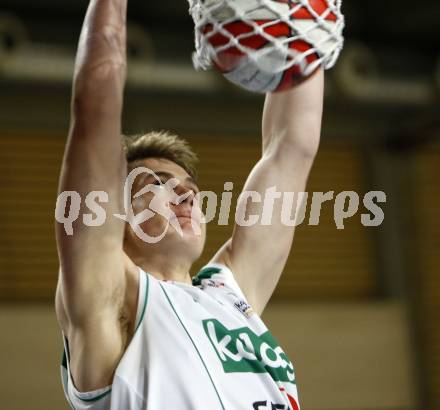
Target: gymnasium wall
(426, 275)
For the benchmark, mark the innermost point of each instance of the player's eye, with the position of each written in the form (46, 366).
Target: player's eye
(194, 188)
(158, 182)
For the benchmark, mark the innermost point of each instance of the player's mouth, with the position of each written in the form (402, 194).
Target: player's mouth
(186, 216)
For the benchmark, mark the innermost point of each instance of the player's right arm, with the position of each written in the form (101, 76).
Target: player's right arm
(91, 290)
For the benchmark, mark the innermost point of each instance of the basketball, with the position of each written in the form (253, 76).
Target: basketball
(256, 51)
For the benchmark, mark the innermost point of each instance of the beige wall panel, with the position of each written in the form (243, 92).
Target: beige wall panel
(427, 198)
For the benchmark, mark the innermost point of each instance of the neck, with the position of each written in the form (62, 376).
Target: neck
(162, 265)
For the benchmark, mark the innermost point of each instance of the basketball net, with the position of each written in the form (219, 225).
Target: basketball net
(307, 20)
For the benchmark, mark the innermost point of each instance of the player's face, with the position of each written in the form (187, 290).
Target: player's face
(168, 196)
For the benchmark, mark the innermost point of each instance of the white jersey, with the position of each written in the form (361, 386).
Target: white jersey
(197, 347)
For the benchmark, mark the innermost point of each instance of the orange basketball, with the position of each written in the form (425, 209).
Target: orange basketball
(261, 74)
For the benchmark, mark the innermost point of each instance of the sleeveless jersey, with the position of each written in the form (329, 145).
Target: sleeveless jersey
(197, 347)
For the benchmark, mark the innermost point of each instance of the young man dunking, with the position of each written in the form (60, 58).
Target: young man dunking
(139, 333)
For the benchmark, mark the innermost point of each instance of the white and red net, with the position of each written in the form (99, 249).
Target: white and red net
(272, 34)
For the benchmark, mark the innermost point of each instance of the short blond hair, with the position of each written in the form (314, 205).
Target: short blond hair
(161, 144)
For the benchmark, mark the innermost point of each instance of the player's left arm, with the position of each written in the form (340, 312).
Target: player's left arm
(291, 131)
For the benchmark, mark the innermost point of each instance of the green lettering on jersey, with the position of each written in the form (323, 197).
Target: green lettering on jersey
(241, 350)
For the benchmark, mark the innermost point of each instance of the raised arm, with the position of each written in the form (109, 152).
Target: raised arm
(91, 286)
(291, 131)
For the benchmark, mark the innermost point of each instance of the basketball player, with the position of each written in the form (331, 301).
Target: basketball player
(138, 332)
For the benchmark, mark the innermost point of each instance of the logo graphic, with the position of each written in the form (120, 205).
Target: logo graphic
(267, 405)
(241, 350)
(212, 284)
(244, 308)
